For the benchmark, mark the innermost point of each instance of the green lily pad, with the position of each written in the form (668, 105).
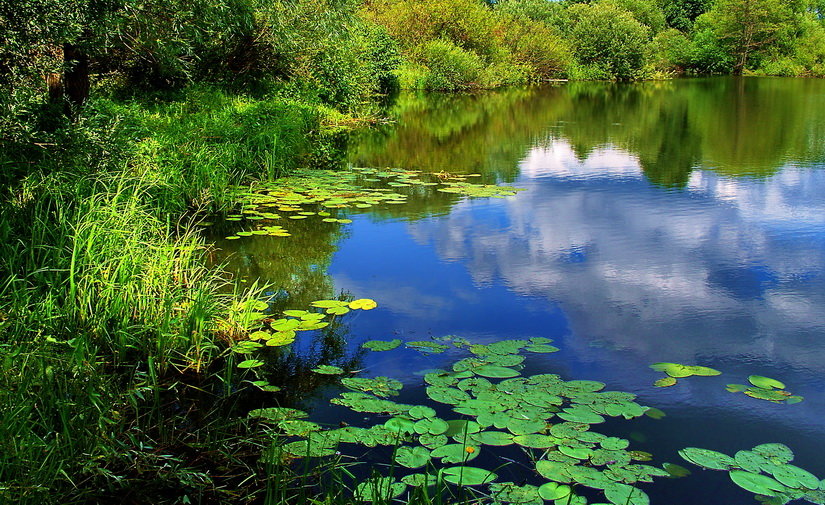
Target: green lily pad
(495, 371)
(250, 363)
(776, 453)
(381, 345)
(492, 438)
(380, 489)
(736, 388)
(448, 395)
(467, 475)
(412, 457)
(793, 476)
(535, 441)
(756, 483)
(665, 382)
(363, 304)
(622, 494)
(675, 470)
(765, 382)
(456, 453)
(707, 458)
(554, 491)
(328, 370)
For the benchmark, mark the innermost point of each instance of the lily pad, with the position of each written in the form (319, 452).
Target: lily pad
(707, 458)
(554, 491)
(765, 382)
(756, 483)
(468, 475)
(363, 304)
(379, 489)
(328, 370)
(381, 345)
(412, 457)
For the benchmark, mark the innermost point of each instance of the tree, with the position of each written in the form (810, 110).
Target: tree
(748, 26)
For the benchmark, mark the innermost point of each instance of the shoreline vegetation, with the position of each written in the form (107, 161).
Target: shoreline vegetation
(124, 124)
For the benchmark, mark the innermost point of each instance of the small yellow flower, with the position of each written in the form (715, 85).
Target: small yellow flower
(470, 450)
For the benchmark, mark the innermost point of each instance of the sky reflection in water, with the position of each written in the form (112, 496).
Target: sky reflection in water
(723, 267)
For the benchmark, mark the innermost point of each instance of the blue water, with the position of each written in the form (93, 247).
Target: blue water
(709, 257)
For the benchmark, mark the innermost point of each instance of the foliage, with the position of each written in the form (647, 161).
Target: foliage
(745, 27)
(497, 408)
(609, 39)
(764, 470)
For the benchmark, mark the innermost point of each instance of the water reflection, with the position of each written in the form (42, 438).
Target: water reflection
(734, 126)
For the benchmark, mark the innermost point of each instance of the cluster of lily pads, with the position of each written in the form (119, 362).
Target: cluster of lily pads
(765, 388)
(765, 471)
(323, 193)
(274, 332)
(486, 402)
(762, 388)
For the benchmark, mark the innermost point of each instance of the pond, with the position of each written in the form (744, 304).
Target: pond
(679, 221)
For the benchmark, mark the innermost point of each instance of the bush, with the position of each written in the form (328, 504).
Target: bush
(609, 39)
(537, 46)
(669, 51)
(449, 66)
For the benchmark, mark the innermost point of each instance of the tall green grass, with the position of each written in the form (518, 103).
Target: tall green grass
(109, 304)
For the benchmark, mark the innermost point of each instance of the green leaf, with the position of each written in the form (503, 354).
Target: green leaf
(412, 457)
(379, 489)
(756, 483)
(250, 363)
(495, 371)
(381, 345)
(622, 494)
(456, 453)
(707, 458)
(675, 470)
(277, 414)
(328, 370)
(467, 475)
(327, 304)
(492, 438)
(665, 382)
(765, 382)
(554, 491)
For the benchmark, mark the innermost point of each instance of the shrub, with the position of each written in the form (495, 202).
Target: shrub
(449, 66)
(537, 46)
(669, 51)
(608, 38)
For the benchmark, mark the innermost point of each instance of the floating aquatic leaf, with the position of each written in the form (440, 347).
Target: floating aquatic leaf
(412, 457)
(554, 491)
(665, 382)
(675, 470)
(492, 438)
(776, 453)
(434, 426)
(400, 425)
(250, 363)
(736, 388)
(679, 371)
(467, 475)
(326, 304)
(654, 413)
(495, 371)
(277, 414)
(772, 395)
(298, 427)
(363, 304)
(456, 453)
(535, 441)
(795, 477)
(622, 494)
(337, 311)
(380, 489)
(765, 382)
(756, 483)
(707, 458)
(422, 411)
(541, 348)
(444, 394)
(328, 370)
(381, 345)
(462, 427)
(427, 346)
(509, 492)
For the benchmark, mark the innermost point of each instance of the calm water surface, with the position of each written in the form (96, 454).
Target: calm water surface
(679, 221)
